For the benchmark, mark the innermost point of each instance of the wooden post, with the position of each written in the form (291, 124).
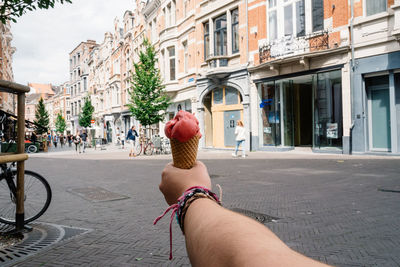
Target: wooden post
(19, 216)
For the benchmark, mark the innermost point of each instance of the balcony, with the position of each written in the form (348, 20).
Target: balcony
(289, 46)
(219, 66)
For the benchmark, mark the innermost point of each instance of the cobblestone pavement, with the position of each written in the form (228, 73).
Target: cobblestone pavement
(329, 207)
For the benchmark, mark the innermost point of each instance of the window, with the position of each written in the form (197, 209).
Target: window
(272, 21)
(185, 56)
(220, 36)
(288, 19)
(235, 31)
(85, 84)
(375, 6)
(206, 40)
(154, 31)
(171, 54)
(318, 15)
(218, 96)
(300, 18)
(231, 96)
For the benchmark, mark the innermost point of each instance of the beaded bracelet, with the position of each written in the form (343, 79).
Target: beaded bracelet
(180, 208)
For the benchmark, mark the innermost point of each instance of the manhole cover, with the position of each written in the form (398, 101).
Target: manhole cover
(40, 238)
(262, 218)
(96, 194)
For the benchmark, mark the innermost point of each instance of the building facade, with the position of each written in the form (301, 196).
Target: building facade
(78, 83)
(298, 73)
(7, 100)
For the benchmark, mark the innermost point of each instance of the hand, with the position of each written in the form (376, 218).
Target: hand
(175, 181)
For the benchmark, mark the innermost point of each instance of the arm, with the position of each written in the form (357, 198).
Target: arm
(216, 236)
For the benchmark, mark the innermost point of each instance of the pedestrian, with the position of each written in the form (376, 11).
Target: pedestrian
(122, 140)
(55, 140)
(240, 133)
(84, 139)
(77, 142)
(69, 140)
(131, 137)
(62, 140)
(49, 138)
(118, 134)
(216, 236)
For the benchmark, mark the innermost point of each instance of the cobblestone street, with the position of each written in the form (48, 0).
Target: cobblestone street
(335, 209)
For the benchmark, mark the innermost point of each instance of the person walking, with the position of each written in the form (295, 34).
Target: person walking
(84, 139)
(240, 133)
(62, 140)
(55, 140)
(77, 142)
(122, 140)
(131, 137)
(69, 140)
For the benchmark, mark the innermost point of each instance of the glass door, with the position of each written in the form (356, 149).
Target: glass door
(270, 114)
(288, 121)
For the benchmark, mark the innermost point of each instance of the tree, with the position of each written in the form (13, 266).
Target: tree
(41, 117)
(60, 123)
(85, 116)
(12, 9)
(148, 99)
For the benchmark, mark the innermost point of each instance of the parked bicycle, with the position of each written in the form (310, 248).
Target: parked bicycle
(162, 145)
(37, 195)
(145, 146)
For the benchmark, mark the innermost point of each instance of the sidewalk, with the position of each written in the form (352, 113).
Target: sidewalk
(114, 152)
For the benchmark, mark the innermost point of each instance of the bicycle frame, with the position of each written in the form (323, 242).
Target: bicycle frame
(6, 173)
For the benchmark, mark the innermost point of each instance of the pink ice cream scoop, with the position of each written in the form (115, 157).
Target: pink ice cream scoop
(183, 127)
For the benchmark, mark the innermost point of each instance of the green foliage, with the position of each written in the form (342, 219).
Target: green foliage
(41, 117)
(13, 9)
(86, 115)
(148, 99)
(60, 123)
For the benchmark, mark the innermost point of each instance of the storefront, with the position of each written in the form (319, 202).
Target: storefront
(377, 105)
(303, 109)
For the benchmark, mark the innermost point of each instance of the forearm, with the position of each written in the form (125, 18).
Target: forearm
(218, 237)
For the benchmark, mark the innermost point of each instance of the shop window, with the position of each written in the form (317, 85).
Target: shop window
(231, 96)
(218, 96)
(270, 113)
(375, 6)
(328, 128)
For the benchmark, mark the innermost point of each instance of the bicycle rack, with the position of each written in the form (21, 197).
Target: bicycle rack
(19, 156)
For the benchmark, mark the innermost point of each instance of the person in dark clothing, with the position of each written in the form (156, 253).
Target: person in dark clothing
(83, 136)
(131, 138)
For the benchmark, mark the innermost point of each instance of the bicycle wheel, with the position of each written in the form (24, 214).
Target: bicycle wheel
(148, 150)
(36, 200)
(31, 149)
(137, 149)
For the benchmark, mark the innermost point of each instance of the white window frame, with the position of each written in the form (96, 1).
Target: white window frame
(365, 9)
(185, 56)
(279, 8)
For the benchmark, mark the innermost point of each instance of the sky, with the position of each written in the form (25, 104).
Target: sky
(44, 38)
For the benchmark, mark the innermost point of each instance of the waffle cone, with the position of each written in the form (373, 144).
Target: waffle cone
(184, 154)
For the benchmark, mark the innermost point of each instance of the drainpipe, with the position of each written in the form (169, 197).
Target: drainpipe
(352, 67)
(248, 60)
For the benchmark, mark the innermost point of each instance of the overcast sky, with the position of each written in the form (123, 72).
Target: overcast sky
(44, 38)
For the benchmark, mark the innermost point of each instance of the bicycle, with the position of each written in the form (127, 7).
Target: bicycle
(37, 195)
(162, 145)
(145, 145)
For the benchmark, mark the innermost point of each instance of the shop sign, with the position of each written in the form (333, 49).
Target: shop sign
(332, 130)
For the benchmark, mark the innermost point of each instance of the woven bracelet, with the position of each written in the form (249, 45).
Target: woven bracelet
(188, 198)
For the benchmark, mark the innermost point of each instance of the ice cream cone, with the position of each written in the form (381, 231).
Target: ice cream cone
(184, 154)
